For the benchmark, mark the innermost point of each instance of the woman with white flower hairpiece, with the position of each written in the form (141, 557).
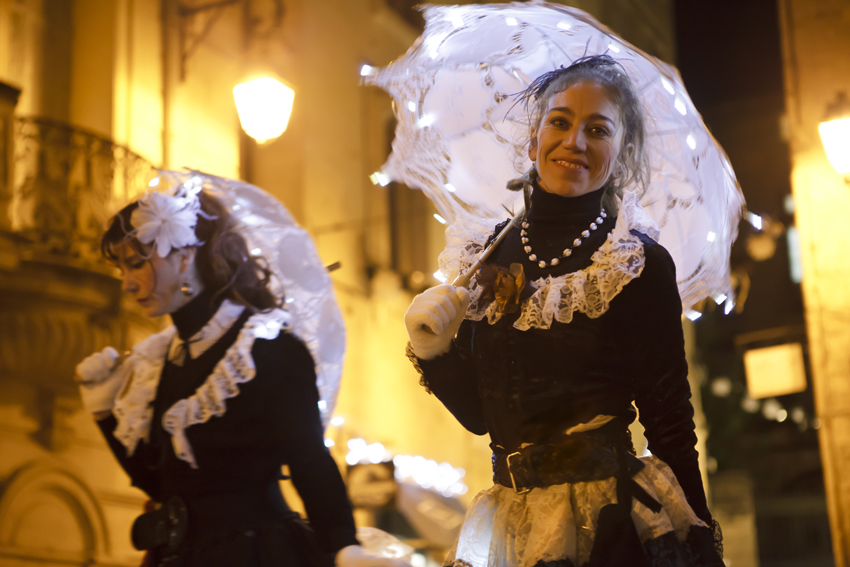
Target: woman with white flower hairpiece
(203, 415)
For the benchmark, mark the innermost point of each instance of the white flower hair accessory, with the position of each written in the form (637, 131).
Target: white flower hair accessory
(167, 221)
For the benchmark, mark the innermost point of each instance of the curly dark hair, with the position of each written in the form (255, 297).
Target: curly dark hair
(223, 262)
(607, 72)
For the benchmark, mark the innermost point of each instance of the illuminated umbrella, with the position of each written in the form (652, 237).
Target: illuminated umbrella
(298, 272)
(461, 137)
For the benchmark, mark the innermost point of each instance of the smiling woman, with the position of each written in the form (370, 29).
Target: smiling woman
(588, 118)
(571, 321)
(577, 143)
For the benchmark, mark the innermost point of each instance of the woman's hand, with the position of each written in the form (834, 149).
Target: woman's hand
(99, 385)
(356, 556)
(432, 320)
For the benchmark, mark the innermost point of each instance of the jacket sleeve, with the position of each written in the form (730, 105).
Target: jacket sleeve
(140, 476)
(452, 378)
(663, 394)
(298, 433)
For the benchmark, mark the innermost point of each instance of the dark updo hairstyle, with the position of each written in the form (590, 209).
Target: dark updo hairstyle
(608, 73)
(224, 265)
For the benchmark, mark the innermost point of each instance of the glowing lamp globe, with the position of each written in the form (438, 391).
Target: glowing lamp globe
(264, 106)
(835, 134)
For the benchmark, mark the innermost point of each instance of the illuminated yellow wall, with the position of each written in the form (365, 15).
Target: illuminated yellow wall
(816, 48)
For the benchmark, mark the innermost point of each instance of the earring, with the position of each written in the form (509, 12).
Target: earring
(187, 289)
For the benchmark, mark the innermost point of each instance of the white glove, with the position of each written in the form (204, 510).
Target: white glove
(432, 320)
(99, 385)
(356, 556)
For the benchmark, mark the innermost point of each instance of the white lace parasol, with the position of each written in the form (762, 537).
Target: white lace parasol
(298, 272)
(460, 136)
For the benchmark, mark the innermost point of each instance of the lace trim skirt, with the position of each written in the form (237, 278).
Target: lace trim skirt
(559, 525)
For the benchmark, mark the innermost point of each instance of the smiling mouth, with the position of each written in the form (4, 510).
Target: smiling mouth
(143, 300)
(570, 165)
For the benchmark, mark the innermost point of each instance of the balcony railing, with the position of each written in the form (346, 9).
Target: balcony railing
(66, 183)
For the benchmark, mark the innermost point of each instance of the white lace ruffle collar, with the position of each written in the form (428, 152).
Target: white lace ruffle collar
(143, 368)
(618, 261)
(201, 341)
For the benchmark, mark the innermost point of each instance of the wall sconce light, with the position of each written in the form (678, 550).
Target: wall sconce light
(264, 106)
(835, 134)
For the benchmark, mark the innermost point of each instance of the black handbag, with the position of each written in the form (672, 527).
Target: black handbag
(163, 529)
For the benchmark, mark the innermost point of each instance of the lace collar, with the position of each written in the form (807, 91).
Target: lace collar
(201, 341)
(142, 370)
(618, 261)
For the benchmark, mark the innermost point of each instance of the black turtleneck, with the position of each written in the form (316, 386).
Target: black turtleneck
(554, 222)
(272, 420)
(192, 317)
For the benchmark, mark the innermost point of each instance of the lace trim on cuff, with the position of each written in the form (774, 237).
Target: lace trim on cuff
(423, 381)
(717, 534)
(133, 409)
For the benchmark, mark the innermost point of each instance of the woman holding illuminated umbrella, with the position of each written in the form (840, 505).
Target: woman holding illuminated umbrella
(203, 415)
(575, 312)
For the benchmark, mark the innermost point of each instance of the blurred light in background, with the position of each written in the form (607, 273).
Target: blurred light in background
(381, 179)
(264, 106)
(775, 371)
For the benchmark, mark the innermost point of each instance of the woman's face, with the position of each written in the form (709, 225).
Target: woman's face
(155, 282)
(577, 142)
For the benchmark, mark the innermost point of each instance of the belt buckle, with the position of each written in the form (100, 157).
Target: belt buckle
(511, 473)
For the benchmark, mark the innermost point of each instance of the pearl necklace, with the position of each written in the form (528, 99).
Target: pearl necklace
(567, 251)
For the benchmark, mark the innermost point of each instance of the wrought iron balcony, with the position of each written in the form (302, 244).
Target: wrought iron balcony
(66, 182)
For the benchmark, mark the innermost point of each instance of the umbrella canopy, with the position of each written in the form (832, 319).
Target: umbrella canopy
(461, 136)
(298, 273)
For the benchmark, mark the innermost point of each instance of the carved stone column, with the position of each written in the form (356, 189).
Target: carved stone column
(8, 100)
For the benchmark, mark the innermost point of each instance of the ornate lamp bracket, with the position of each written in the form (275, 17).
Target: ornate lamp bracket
(186, 13)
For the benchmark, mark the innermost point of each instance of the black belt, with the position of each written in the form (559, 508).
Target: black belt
(582, 457)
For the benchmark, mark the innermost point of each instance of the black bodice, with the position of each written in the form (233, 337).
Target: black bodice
(274, 420)
(529, 386)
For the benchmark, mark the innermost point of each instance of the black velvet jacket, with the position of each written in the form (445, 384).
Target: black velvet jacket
(274, 420)
(527, 386)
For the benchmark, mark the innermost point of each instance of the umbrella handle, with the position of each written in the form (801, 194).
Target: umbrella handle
(464, 279)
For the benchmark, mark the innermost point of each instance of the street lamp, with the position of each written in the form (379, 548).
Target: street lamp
(264, 106)
(835, 134)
